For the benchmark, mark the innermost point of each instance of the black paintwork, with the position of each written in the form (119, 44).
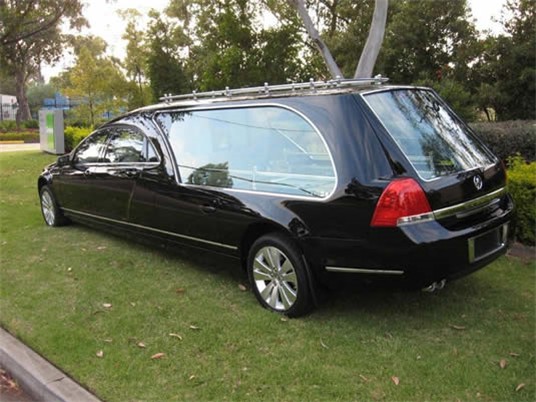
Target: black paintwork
(334, 232)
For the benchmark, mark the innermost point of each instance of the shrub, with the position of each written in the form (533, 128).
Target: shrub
(509, 138)
(73, 136)
(8, 125)
(522, 187)
(30, 124)
(26, 136)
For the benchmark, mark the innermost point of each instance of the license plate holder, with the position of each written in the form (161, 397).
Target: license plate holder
(487, 243)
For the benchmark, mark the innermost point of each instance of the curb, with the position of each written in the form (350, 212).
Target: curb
(39, 378)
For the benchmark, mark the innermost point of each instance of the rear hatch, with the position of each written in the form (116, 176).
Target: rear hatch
(463, 181)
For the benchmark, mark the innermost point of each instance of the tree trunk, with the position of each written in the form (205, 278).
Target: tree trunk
(23, 111)
(315, 37)
(370, 53)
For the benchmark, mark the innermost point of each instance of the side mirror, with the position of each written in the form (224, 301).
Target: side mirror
(64, 160)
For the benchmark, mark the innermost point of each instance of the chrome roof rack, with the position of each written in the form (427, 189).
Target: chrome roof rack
(266, 90)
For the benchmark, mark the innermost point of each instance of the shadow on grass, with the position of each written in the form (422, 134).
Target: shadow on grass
(377, 300)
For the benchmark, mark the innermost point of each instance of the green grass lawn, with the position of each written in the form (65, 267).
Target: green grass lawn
(55, 282)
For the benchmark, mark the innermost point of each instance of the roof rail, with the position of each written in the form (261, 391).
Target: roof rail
(267, 90)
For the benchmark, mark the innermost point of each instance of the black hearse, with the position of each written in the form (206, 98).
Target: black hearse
(301, 182)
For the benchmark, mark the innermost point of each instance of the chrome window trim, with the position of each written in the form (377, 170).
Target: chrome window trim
(470, 207)
(213, 243)
(242, 106)
(365, 270)
(363, 96)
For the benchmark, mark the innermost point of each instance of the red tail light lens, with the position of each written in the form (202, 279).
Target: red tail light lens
(403, 201)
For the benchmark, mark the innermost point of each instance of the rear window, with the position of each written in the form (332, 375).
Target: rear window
(433, 140)
(266, 149)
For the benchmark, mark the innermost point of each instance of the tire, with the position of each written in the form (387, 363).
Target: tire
(278, 275)
(49, 208)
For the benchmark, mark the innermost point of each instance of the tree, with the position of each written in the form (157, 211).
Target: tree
(30, 34)
(97, 84)
(135, 62)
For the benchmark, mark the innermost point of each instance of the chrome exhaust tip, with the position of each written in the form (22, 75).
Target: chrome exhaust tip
(435, 286)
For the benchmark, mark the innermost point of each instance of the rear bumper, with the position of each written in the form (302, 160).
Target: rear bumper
(417, 254)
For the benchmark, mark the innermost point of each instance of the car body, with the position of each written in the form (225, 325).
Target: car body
(351, 179)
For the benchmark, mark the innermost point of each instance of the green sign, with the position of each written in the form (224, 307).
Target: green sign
(50, 130)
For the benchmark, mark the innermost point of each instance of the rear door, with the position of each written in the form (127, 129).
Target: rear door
(427, 141)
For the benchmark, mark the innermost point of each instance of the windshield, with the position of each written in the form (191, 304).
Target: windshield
(430, 136)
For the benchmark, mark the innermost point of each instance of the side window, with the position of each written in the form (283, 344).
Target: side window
(266, 149)
(127, 145)
(90, 150)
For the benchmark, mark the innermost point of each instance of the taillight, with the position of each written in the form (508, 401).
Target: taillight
(403, 201)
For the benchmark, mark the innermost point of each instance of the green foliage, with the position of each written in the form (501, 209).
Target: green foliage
(522, 187)
(26, 136)
(509, 138)
(37, 92)
(30, 34)
(73, 136)
(99, 85)
(506, 68)
(8, 125)
(455, 94)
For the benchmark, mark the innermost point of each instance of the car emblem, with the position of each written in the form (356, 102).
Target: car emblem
(477, 181)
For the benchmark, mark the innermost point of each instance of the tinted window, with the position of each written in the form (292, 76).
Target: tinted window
(125, 145)
(90, 150)
(430, 136)
(260, 148)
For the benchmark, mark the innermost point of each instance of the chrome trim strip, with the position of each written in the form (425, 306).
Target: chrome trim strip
(213, 243)
(466, 208)
(474, 203)
(365, 270)
(249, 105)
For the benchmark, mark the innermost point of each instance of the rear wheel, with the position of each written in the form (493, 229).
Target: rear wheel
(278, 275)
(51, 213)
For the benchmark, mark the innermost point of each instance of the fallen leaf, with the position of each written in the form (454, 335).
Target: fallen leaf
(395, 380)
(457, 327)
(100, 353)
(514, 354)
(520, 387)
(108, 340)
(141, 345)
(133, 304)
(107, 305)
(284, 319)
(180, 290)
(176, 336)
(242, 287)
(194, 327)
(158, 356)
(503, 363)
(419, 357)
(69, 269)
(191, 377)
(101, 248)
(363, 378)
(323, 344)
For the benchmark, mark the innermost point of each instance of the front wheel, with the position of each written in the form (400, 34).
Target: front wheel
(278, 275)
(51, 213)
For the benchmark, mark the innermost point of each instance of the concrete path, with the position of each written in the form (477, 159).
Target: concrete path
(39, 378)
(19, 147)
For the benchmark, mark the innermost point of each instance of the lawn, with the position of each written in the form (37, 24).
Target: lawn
(74, 294)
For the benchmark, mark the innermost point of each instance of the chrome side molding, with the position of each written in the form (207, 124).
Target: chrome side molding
(365, 270)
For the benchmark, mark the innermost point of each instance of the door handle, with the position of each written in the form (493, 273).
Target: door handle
(132, 172)
(208, 209)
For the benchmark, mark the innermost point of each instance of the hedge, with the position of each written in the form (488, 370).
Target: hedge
(26, 136)
(73, 136)
(7, 126)
(522, 187)
(509, 138)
